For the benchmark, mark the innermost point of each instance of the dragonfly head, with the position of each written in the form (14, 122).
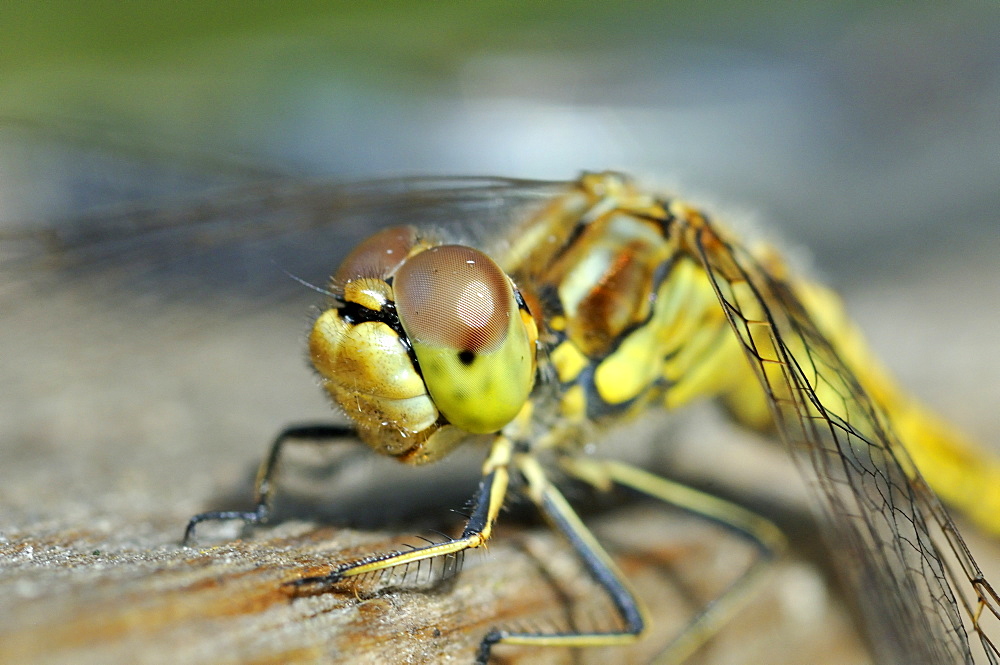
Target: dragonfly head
(424, 346)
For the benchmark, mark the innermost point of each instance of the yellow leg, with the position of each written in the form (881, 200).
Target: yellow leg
(487, 503)
(562, 517)
(769, 539)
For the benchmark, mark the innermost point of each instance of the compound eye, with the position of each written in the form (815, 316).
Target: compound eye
(458, 310)
(454, 296)
(378, 256)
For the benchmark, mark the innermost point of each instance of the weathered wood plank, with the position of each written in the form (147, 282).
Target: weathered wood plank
(68, 600)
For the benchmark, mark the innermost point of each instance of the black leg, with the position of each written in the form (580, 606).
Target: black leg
(264, 486)
(595, 559)
(757, 530)
(603, 474)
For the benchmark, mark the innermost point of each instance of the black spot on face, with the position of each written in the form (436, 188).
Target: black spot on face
(466, 357)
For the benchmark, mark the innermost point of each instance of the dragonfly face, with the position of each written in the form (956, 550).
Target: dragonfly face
(424, 345)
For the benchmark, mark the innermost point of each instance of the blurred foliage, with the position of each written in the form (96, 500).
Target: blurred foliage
(135, 32)
(52, 50)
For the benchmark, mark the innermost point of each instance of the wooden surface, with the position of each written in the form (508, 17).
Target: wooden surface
(69, 600)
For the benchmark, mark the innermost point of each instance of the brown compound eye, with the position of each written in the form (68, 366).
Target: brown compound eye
(458, 310)
(454, 296)
(378, 256)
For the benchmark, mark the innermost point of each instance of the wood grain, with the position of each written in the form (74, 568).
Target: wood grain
(73, 596)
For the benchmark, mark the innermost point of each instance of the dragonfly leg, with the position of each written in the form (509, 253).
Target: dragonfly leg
(598, 562)
(761, 532)
(487, 503)
(264, 485)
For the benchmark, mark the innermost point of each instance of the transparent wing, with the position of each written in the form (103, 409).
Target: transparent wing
(234, 238)
(894, 543)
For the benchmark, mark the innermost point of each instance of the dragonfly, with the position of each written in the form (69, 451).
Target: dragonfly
(606, 302)
(529, 338)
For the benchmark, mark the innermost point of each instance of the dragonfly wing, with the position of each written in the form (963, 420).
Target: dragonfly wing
(886, 528)
(240, 240)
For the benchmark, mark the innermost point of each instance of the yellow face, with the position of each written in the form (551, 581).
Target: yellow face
(424, 345)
